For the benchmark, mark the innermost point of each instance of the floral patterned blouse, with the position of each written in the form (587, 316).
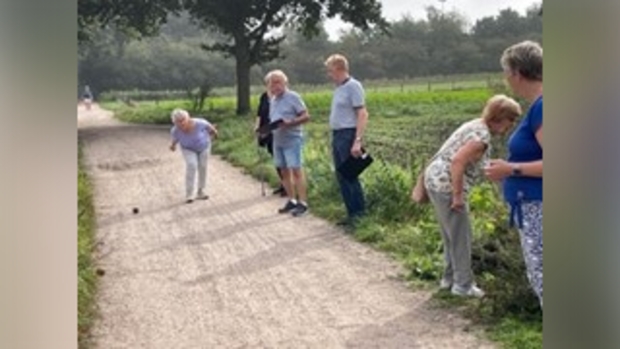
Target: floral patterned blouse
(437, 176)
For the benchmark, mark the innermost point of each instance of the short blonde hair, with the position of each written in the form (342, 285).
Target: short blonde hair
(276, 74)
(178, 114)
(337, 61)
(525, 58)
(500, 108)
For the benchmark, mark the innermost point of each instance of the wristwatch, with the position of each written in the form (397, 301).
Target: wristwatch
(516, 170)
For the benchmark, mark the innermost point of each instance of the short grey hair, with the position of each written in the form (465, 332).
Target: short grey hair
(276, 73)
(525, 58)
(178, 114)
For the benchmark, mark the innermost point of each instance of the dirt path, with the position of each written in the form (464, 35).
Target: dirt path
(230, 272)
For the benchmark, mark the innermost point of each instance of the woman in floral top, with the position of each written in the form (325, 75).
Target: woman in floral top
(448, 178)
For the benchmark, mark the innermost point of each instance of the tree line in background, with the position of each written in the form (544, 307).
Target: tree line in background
(187, 55)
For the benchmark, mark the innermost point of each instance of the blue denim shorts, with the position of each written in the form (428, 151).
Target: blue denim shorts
(288, 155)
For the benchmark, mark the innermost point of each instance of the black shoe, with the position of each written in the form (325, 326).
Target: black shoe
(281, 191)
(343, 223)
(299, 210)
(348, 224)
(288, 207)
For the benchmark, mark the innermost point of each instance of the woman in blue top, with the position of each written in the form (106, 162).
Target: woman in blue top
(522, 172)
(194, 136)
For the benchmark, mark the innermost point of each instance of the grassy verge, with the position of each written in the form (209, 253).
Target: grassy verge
(404, 130)
(87, 279)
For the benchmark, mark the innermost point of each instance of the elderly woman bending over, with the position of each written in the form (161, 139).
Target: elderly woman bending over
(448, 178)
(194, 135)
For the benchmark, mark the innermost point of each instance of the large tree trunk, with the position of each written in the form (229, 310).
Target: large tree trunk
(243, 77)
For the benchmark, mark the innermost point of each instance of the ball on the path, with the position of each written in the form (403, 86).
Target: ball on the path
(136, 210)
(100, 272)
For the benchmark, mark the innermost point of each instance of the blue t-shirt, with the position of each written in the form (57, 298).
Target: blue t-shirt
(523, 147)
(288, 105)
(348, 97)
(197, 140)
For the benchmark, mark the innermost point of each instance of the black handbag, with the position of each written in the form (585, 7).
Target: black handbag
(353, 167)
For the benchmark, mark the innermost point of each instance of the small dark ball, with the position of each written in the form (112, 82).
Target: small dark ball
(136, 210)
(100, 272)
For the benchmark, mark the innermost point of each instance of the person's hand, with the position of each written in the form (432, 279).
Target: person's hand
(497, 169)
(356, 150)
(287, 123)
(257, 134)
(173, 147)
(458, 203)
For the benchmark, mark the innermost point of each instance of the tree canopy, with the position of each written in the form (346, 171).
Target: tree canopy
(253, 28)
(435, 45)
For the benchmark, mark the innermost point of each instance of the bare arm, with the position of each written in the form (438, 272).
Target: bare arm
(500, 169)
(302, 118)
(534, 168)
(212, 129)
(472, 151)
(362, 121)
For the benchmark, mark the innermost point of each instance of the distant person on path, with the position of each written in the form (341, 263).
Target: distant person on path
(523, 171)
(287, 105)
(266, 141)
(87, 97)
(448, 179)
(347, 120)
(194, 136)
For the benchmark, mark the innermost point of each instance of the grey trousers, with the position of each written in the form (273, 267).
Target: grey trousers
(195, 162)
(456, 233)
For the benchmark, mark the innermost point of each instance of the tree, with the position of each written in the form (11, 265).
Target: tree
(303, 58)
(404, 54)
(446, 32)
(253, 27)
(139, 17)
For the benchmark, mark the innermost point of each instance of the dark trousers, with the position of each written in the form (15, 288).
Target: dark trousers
(268, 143)
(350, 189)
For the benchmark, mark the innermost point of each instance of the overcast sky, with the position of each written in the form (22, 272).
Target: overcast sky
(472, 9)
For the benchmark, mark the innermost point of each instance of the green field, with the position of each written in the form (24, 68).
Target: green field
(422, 84)
(405, 128)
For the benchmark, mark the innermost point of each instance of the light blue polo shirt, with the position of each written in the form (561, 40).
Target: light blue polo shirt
(197, 140)
(288, 106)
(348, 97)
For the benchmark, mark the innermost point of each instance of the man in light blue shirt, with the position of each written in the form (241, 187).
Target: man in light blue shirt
(287, 105)
(347, 120)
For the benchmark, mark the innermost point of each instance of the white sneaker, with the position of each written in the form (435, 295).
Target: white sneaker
(473, 291)
(202, 196)
(445, 284)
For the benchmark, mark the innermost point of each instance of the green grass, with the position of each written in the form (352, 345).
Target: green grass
(404, 130)
(87, 279)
